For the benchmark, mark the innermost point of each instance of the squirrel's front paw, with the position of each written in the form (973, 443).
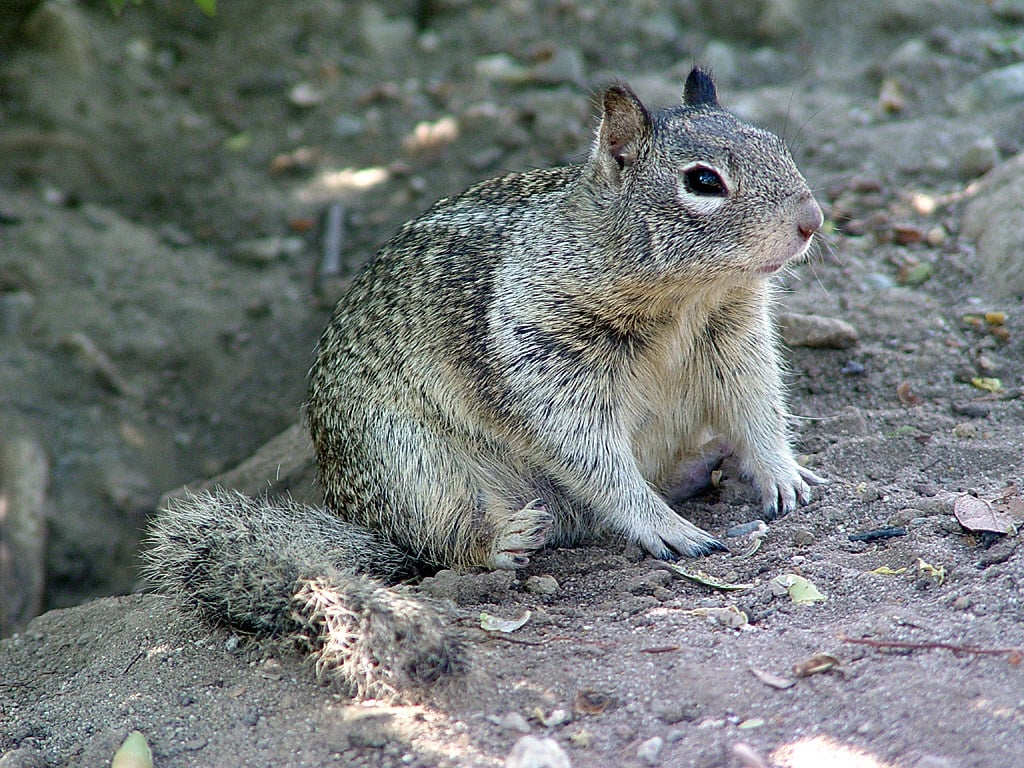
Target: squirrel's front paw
(781, 494)
(673, 536)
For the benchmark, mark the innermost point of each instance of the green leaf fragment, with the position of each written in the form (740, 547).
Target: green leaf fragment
(799, 589)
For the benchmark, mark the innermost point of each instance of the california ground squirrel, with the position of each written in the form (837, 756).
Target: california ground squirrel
(525, 365)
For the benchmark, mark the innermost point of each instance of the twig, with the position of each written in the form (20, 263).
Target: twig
(1016, 655)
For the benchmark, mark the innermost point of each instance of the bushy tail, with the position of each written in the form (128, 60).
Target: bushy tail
(299, 576)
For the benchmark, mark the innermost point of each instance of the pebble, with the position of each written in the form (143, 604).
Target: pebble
(994, 219)
(971, 410)
(649, 751)
(744, 528)
(265, 250)
(514, 722)
(998, 86)
(979, 158)
(542, 585)
(816, 331)
(532, 752)
(384, 35)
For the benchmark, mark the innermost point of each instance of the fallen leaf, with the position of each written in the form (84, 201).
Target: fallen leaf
(799, 589)
(939, 574)
(498, 624)
(987, 384)
(976, 514)
(773, 680)
(704, 580)
(590, 702)
(906, 396)
(133, 753)
(885, 570)
(818, 663)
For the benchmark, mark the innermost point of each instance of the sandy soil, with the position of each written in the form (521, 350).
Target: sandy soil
(162, 178)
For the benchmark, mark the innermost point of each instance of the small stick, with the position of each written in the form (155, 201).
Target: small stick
(1015, 654)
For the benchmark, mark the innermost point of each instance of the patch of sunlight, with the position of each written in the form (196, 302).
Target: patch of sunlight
(823, 752)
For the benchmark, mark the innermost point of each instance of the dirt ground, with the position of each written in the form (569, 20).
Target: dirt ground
(163, 183)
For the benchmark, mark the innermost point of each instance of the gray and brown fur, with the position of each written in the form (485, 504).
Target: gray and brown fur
(530, 363)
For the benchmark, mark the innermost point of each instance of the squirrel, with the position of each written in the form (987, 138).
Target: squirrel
(525, 365)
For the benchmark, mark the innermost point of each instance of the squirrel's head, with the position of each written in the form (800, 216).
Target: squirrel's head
(711, 194)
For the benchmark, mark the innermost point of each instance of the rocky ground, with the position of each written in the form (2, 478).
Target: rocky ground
(165, 271)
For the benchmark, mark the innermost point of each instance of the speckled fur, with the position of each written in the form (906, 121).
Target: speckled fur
(569, 335)
(525, 365)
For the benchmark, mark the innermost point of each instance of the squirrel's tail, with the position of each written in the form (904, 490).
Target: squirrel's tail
(299, 576)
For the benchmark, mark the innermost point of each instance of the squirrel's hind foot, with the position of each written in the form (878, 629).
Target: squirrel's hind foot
(524, 533)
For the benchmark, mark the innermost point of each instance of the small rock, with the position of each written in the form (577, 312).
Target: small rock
(1007, 10)
(542, 585)
(672, 711)
(994, 219)
(721, 59)
(744, 528)
(999, 86)
(23, 757)
(781, 19)
(469, 588)
(816, 331)
(852, 368)
(515, 722)
(305, 95)
(500, 67)
(385, 35)
(965, 430)
(565, 65)
(971, 410)
(532, 752)
(265, 250)
(649, 751)
(979, 158)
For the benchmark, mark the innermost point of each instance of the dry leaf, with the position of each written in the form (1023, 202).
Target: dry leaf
(705, 580)
(775, 681)
(498, 624)
(885, 570)
(977, 514)
(906, 396)
(818, 663)
(590, 702)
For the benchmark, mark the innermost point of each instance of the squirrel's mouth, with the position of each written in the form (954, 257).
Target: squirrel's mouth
(772, 268)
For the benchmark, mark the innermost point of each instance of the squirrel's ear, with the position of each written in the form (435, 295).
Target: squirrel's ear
(700, 89)
(625, 125)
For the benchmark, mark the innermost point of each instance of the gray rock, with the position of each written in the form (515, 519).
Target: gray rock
(1008, 10)
(999, 86)
(816, 331)
(531, 752)
(994, 219)
(649, 751)
(542, 585)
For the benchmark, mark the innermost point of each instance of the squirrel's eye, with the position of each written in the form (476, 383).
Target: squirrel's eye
(704, 181)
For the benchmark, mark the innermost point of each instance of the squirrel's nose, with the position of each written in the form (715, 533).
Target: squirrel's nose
(809, 219)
